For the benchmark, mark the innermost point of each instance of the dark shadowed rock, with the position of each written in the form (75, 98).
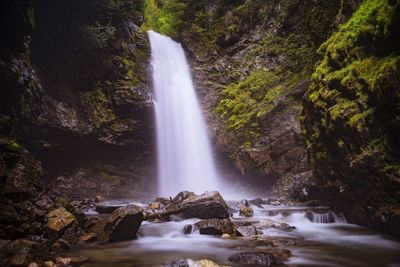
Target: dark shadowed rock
(120, 225)
(60, 245)
(255, 259)
(187, 229)
(106, 209)
(215, 227)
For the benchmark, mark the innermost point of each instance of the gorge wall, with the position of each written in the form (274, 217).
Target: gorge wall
(75, 94)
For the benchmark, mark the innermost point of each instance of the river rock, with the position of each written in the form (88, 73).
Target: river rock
(58, 221)
(246, 211)
(99, 198)
(187, 229)
(154, 205)
(266, 223)
(246, 230)
(122, 224)
(206, 206)
(255, 259)
(192, 263)
(215, 227)
(106, 209)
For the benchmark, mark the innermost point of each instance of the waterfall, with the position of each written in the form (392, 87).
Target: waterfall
(184, 155)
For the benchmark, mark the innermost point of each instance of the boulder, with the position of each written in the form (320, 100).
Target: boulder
(58, 221)
(215, 227)
(246, 211)
(246, 230)
(255, 259)
(206, 206)
(106, 209)
(122, 224)
(187, 229)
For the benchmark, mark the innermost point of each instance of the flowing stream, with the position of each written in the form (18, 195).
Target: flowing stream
(184, 153)
(321, 238)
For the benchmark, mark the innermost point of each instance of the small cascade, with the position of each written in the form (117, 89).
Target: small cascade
(325, 217)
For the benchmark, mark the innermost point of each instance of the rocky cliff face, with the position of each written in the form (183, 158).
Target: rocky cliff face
(351, 113)
(75, 92)
(252, 61)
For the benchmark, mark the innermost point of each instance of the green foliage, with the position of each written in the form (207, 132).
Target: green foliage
(296, 52)
(99, 35)
(164, 16)
(354, 96)
(99, 108)
(249, 100)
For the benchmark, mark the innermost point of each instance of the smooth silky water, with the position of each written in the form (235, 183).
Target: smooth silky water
(312, 244)
(321, 238)
(184, 155)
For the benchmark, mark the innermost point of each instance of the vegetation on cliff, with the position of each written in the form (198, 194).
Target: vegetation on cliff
(351, 111)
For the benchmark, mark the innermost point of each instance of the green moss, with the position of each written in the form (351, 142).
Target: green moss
(99, 35)
(99, 107)
(296, 52)
(248, 101)
(354, 96)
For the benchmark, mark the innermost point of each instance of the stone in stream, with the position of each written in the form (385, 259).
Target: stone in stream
(99, 199)
(106, 209)
(215, 227)
(58, 221)
(255, 259)
(193, 263)
(206, 206)
(246, 230)
(266, 223)
(187, 229)
(120, 225)
(246, 211)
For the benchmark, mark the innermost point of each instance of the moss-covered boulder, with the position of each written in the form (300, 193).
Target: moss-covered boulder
(58, 221)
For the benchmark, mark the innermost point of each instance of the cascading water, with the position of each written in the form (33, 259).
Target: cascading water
(184, 153)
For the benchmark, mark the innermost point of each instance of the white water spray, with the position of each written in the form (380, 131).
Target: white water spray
(185, 160)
